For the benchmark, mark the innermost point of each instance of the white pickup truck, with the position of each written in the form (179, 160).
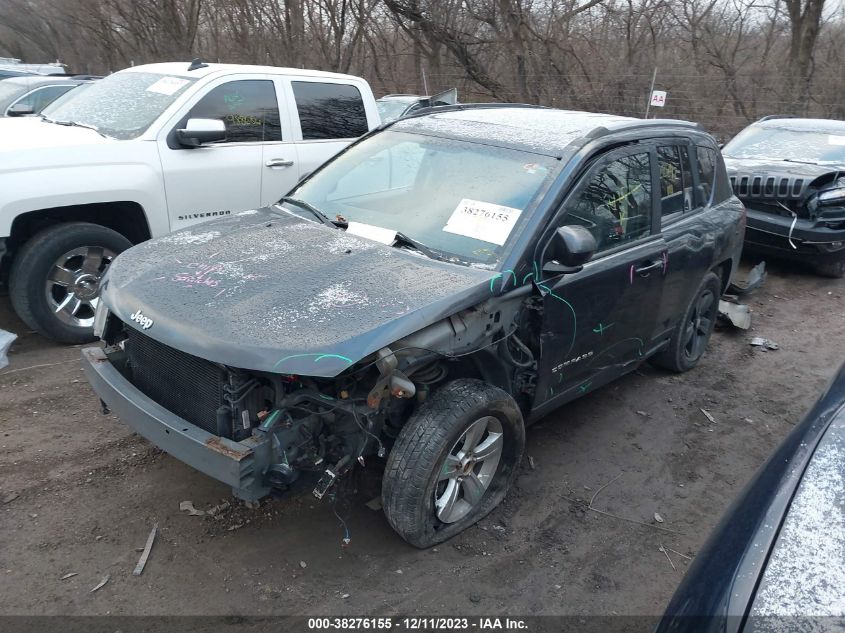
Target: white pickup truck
(149, 150)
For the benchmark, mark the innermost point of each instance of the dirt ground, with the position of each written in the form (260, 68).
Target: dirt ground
(79, 493)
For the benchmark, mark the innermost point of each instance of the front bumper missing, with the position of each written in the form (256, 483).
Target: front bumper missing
(240, 465)
(814, 242)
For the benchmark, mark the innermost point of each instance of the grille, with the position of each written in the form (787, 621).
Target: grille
(747, 186)
(188, 386)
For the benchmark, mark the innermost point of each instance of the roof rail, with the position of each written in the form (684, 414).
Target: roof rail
(769, 117)
(471, 106)
(400, 94)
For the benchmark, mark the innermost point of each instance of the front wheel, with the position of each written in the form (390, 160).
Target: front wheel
(55, 279)
(453, 462)
(691, 335)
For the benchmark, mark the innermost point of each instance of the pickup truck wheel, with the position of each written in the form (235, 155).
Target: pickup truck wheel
(55, 279)
(836, 270)
(689, 340)
(452, 462)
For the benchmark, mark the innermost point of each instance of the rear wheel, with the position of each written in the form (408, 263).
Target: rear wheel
(836, 270)
(55, 279)
(453, 462)
(691, 335)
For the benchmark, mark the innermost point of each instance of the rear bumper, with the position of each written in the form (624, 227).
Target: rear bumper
(814, 242)
(240, 465)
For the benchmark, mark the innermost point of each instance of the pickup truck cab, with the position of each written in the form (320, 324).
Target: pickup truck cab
(149, 150)
(422, 296)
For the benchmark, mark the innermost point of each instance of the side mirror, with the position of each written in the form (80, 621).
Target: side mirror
(198, 132)
(571, 247)
(20, 109)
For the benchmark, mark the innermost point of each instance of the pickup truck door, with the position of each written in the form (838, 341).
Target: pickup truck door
(224, 177)
(326, 116)
(598, 323)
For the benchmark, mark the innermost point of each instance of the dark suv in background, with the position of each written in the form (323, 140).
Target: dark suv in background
(790, 174)
(422, 296)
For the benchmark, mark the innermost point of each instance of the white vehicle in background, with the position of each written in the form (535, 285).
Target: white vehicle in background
(150, 150)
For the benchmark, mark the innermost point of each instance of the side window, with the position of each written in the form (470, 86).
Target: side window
(676, 187)
(329, 111)
(615, 202)
(40, 98)
(248, 108)
(707, 161)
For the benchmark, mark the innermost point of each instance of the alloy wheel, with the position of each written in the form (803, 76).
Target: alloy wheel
(468, 470)
(73, 284)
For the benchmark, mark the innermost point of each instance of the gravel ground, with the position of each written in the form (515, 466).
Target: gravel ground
(79, 493)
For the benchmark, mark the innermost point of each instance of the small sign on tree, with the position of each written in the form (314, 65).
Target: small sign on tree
(658, 98)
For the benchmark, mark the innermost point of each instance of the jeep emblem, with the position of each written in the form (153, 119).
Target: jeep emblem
(144, 321)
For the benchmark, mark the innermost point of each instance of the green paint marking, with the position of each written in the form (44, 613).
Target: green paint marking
(524, 279)
(318, 358)
(324, 397)
(493, 279)
(574, 317)
(601, 329)
(585, 386)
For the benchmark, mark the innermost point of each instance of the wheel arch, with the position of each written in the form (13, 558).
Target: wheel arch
(125, 217)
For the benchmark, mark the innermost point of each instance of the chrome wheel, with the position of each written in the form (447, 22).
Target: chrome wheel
(468, 469)
(699, 326)
(73, 284)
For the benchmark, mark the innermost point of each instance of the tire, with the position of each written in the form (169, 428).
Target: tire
(835, 270)
(417, 470)
(683, 352)
(54, 281)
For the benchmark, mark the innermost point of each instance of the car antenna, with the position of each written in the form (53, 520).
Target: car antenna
(197, 63)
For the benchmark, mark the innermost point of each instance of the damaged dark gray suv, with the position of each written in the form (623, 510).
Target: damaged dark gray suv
(790, 174)
(424, 295)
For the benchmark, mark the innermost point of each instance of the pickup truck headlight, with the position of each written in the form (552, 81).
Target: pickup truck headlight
(100, 316)
(832, 196)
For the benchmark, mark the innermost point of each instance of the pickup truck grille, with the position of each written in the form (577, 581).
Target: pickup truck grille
(188, 386)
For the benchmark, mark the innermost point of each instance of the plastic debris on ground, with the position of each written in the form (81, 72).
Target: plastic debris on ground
(759, 341)
(102, 583)
(188, 506)
(756, 278)
(139, 568)
(737, 314)
(6, 340)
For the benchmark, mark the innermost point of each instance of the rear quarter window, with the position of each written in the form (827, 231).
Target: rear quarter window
(713, 183)
(329, 111)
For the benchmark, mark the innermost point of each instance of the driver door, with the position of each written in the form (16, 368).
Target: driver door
(599, 323)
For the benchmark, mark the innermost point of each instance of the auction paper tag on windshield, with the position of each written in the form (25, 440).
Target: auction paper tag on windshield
(167, 85)
(482, 221)
(835, 140)
(375, 233)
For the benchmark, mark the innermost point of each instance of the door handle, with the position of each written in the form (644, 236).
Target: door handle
(279, 162)
(647, 268)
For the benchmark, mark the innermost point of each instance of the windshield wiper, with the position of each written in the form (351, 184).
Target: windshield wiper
(322, 217)
(72, 124)
(403, 240)
(820, 163)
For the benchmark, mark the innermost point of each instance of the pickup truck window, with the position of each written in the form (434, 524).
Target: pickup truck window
(329, 111)
(615, 202)
(122, 105)
(675, 180)
(247, 107)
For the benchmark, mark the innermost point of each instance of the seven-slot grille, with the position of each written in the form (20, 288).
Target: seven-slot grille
(188, 386)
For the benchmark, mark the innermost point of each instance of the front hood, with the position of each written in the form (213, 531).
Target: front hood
(752, 178)
(25, 133)
(269, 291)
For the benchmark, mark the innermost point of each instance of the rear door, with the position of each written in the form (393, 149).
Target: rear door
(686, 186)
(599, 322)
(326, 116)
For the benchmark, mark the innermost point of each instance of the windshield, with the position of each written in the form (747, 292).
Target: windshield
(461, 199)
(9, 91)
(122, 105)
(775, 143)
(392, 109)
